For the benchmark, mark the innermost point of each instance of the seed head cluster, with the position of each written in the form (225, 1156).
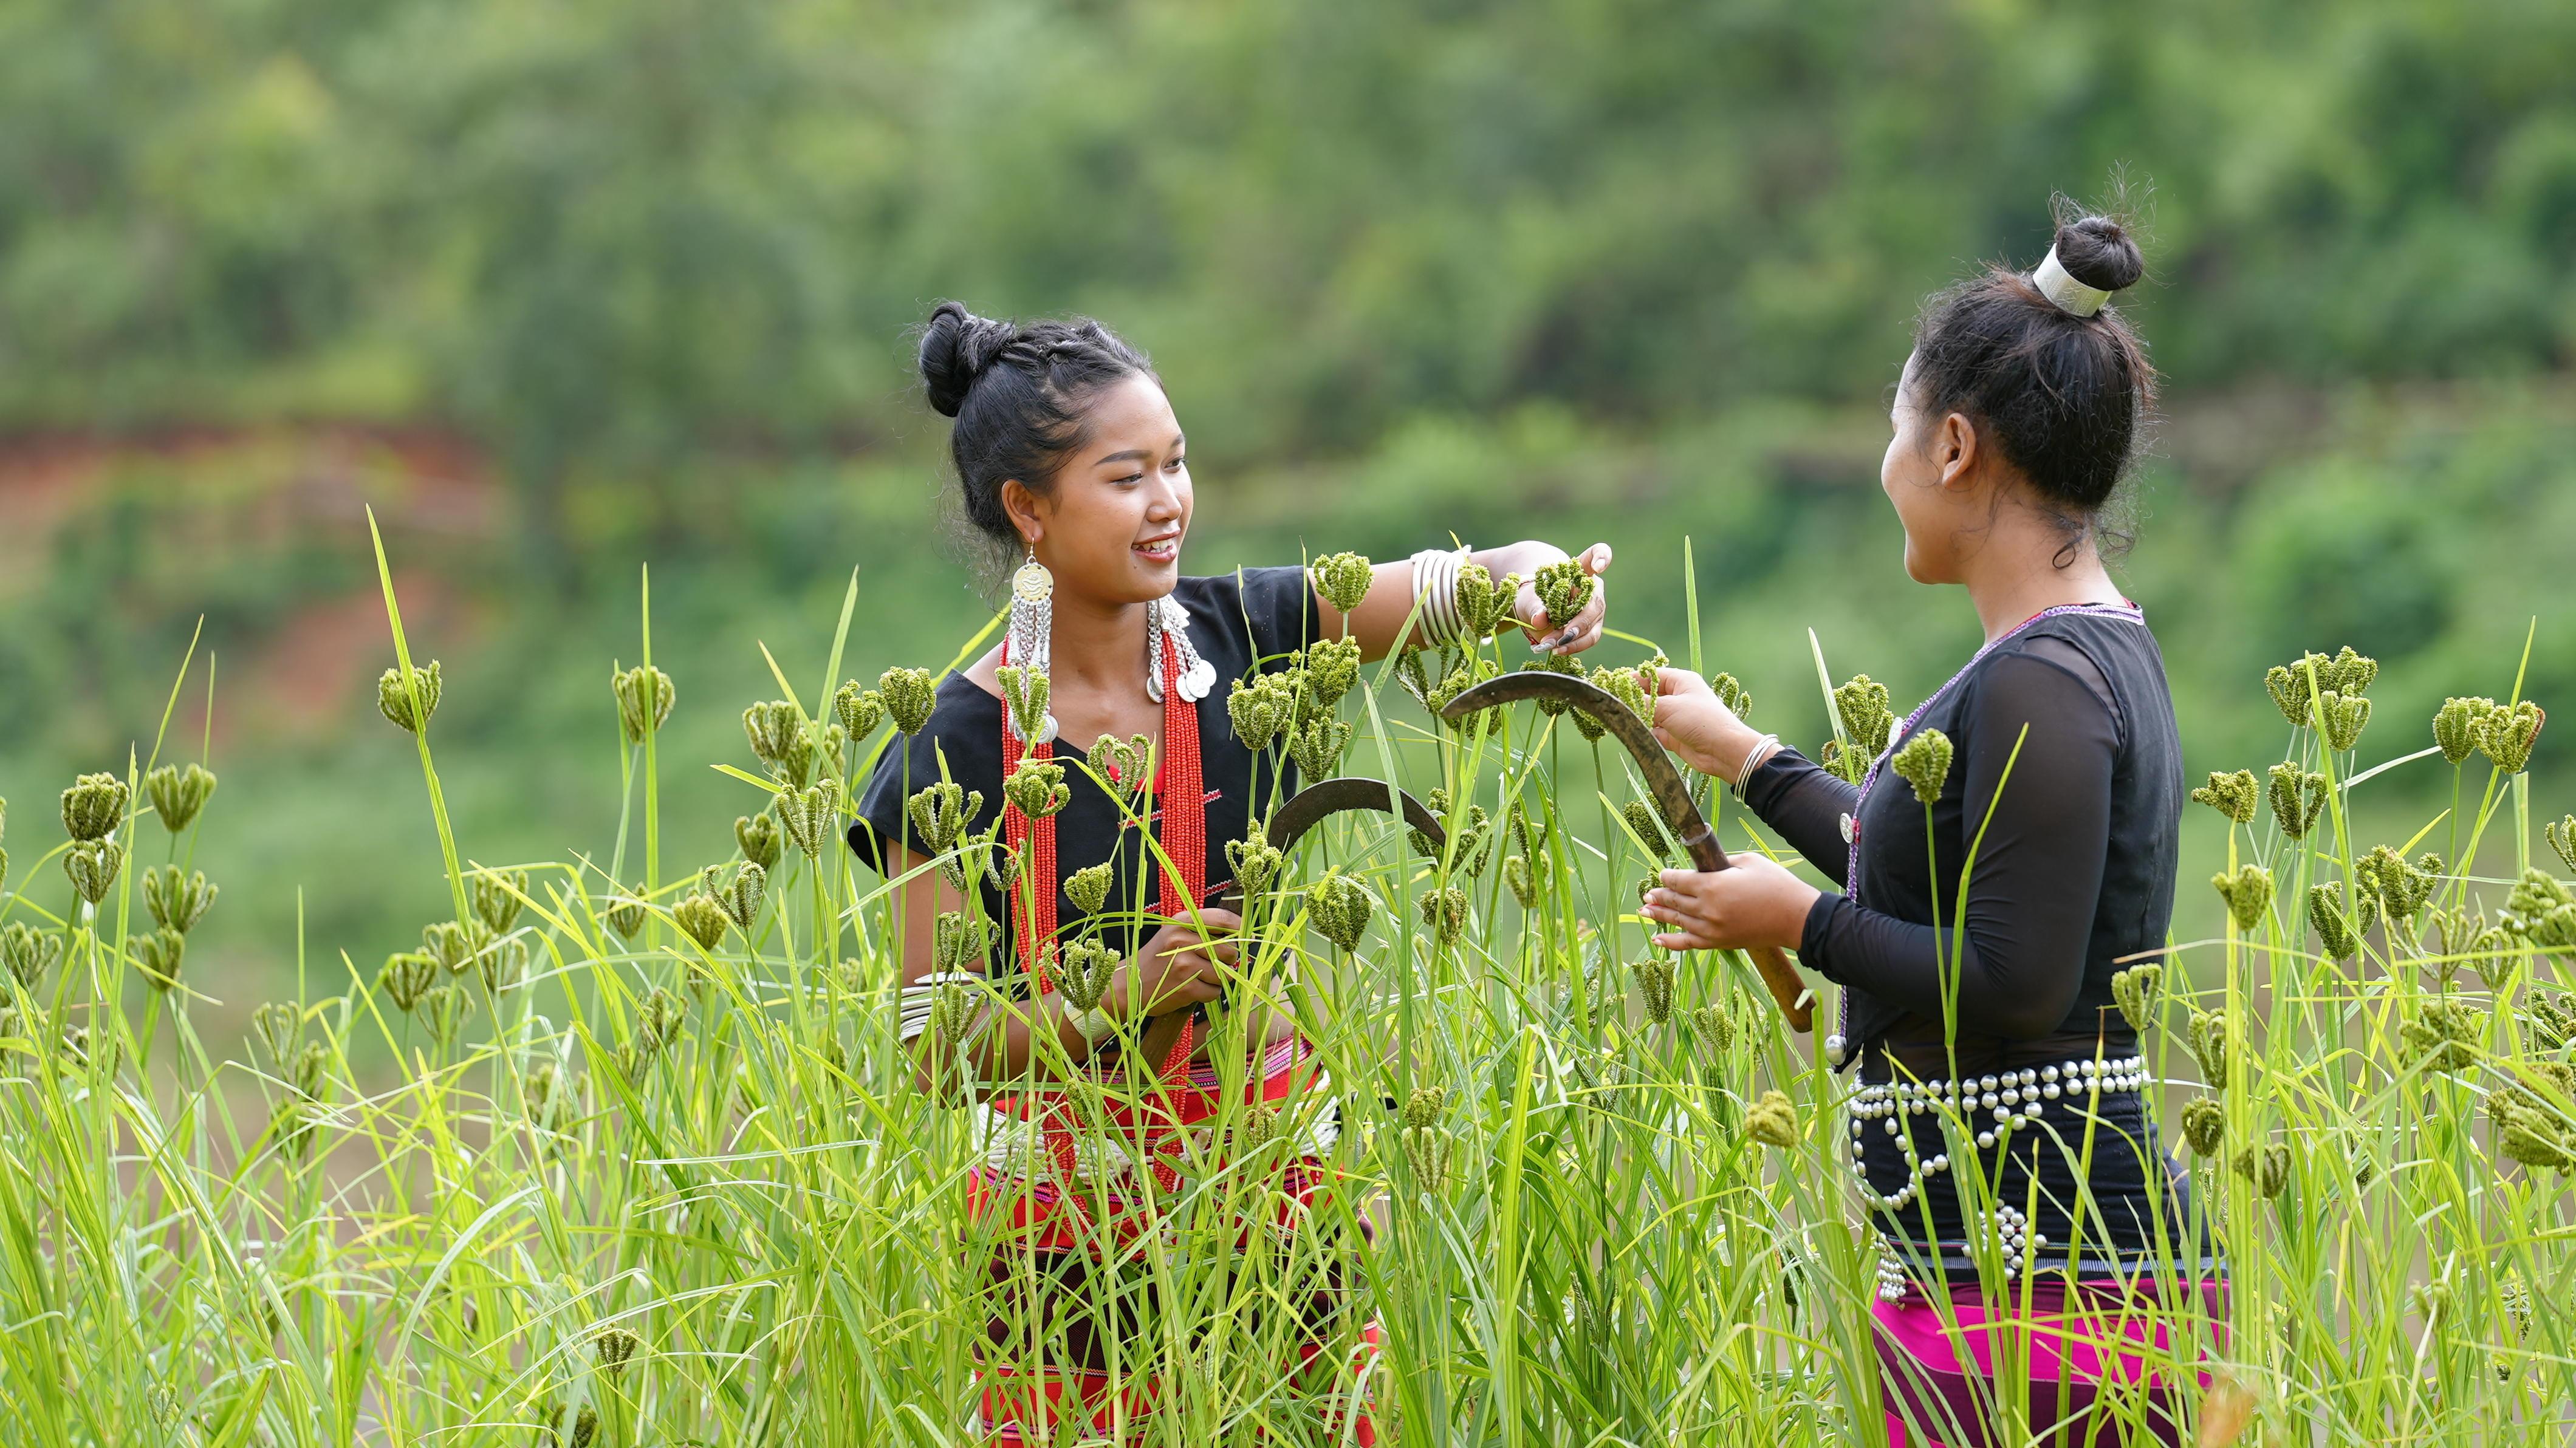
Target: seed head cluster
(1261, 708)
(1428, 1147)
(1037, 789)
(2204, 1125)
(1127, 764)
(92, 867)
(1088, 887)
(1340, 907)
(2338, 932)
(1483, 600)
(93, 807)
(2507, 735)
(1466, 672)
(1924, 763)
(2247, 889)
(1027, 692)
(2445, 1034)
(2138, 991)
(1256, 864)
(1737, 699)
(1444, 911)
(859, 709)
(408, 698)
(178, 794)
(2542, 910)
(175, 901)
(2402, 886)
(2298, 798)
(2561, 835)
(1629, 687)
(1861, 704)
(1342, 579)
(2232, 795)
(2294, 686)
(2459, 725)
(644, 698)
(780, 740)
(909, 696)
(1655, 987)
(1564, 590)
(1772, 1121)
(29, 952)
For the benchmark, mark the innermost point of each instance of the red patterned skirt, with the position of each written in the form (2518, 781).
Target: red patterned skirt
(1082, 1242)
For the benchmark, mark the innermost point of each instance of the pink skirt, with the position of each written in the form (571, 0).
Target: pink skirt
(2098, 1358)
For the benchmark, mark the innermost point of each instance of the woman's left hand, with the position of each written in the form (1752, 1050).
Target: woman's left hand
(1572, 636)
(1753, 902)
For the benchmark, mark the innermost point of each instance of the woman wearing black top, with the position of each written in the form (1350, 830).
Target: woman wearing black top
(1069, 455)
(2015, 419)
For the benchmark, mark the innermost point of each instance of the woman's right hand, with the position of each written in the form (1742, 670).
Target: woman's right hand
(1691, 722)
(1180, 966)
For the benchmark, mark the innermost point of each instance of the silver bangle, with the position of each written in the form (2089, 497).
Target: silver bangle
(1095, 1024)
(915, 1003)
(1760, 754)
(1435, 590)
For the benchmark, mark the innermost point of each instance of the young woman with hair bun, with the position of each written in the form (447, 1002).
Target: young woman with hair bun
(1071, 462)
(2002, 1120)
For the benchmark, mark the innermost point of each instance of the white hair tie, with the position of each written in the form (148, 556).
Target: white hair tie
(2070, 296)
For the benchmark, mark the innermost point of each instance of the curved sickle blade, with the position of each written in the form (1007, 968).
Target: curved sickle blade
(1317, 802)
(1310, 806)
(1663, 781)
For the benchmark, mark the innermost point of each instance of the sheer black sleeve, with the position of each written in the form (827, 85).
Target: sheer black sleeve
(2018, 952)
(1795, 796)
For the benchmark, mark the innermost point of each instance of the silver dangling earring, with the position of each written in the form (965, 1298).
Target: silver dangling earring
(1030, 641)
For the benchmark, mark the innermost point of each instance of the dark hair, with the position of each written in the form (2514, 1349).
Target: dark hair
(1018, 394)
(2065, 397)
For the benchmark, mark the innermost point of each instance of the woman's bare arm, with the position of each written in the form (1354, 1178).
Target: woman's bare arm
(1378, 622)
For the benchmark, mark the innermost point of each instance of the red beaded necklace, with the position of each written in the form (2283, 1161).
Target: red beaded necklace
(1178, 783)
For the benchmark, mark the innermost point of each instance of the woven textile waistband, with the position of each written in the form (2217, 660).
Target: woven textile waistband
(1109, 1144)
(1013, 1146)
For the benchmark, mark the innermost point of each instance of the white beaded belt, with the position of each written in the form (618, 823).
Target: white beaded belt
(1015, 1146)
(2006, 1229)
(2013, 1098)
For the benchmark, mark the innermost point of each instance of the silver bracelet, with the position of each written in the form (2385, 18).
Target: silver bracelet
(1435, 589)
(917, 1002)
(1761, 752)
(1095, 1024)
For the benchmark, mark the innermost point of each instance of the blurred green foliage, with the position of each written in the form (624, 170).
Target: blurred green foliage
(1630, 269)
(601, 234)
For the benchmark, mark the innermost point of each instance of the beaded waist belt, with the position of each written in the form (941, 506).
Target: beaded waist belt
(1995, 1106)
(2012, 1099)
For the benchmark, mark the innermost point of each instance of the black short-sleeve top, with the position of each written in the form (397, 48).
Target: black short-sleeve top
(1241, 624)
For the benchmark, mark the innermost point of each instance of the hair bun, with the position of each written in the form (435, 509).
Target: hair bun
(956, 347)
(2099, 252)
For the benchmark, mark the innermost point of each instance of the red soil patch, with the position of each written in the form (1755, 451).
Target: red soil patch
(234, 499)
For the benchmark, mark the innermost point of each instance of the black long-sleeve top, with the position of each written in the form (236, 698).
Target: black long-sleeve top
(2068, 760)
